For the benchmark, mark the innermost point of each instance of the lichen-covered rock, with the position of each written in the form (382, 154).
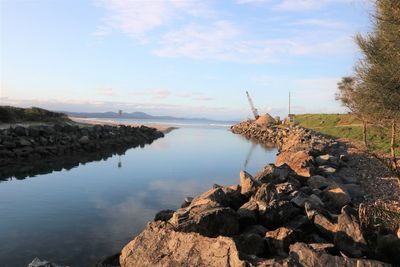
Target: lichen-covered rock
(160, 245)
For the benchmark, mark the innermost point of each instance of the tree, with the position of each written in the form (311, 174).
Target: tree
(348, 95)
(378, 70)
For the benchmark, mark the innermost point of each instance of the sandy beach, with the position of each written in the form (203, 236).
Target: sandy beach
(160, 127)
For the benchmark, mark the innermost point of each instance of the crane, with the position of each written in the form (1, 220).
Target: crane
(253, 109)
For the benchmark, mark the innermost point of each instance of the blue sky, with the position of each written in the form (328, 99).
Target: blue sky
(178, 57)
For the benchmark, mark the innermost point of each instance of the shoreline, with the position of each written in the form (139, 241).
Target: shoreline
(308, 208)
(92, 121)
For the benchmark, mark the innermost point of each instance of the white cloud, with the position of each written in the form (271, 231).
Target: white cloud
(224, 41)
(136, 17)
(296, 5)
(320, 23)
(106, 91)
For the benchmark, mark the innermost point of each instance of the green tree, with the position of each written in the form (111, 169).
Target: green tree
(379, 69)
(348, 95)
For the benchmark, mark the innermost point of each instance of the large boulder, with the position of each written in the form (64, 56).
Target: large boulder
(247, 183)
(348, 237)
(300, 161)
(280, 239)
(160, 245)
(206, 220)
(336, 197)
(319, 182)
(322, 219)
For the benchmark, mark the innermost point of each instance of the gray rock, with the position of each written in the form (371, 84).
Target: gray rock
(84, 140)
(319, 182)
(336, 196)
(280, 239)
(251, 244)
(163, 215)
(43, 263)
(299, 199)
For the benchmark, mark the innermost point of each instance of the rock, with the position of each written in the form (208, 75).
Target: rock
(299, 199)
(206, 220)
(215, 197)
(84, 140)
(248, 184)
(336, 197)
(160, 245)
(24, 142)
(354, 190)
(248, 213)
(319, 182)
(388, 248)
(110, 261)
(286, 211)
(43, 263)
(20, 131)
(323, 159)
(299, 161)
(257, 229)
(326, 169)
(163, 215)
(279, 240)
(251, 244)
(274, 174)
(324, 247)
(305, 255)
(235, 198)
(186, 202)
(348, 237)
(322, 219)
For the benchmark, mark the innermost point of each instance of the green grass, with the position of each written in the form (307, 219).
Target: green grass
(347, 126)
(9, 114)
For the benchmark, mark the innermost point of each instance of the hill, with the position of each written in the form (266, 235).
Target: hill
(9, 114)
(347, 126)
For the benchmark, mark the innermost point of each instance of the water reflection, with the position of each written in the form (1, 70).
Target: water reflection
(93, 205)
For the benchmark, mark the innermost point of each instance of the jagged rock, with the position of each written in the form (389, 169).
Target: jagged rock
(43, 263)
(319, 182)
(186, 202)
(326, 169)
(248, 213)
(163, 215)
(299, 198)
(214, 197)
(305, 255)
(84, 140)
(348, 237)
(273, 174)
(336, 196)
(257, 229)
(322, 219)
(160, 245)
(206, 220)
(251, 244)
(286, 211)
(248, 184)
(299, 161)
(280, 239)
(323, 247)
(235, 197)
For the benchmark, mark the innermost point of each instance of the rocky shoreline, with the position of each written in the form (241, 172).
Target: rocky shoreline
(305, 210)
(22, 145)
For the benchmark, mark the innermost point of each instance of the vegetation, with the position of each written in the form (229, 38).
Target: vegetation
(373, 94)
(10, 114)
(349, 126)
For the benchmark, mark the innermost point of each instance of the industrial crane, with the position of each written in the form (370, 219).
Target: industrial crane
(253, 109)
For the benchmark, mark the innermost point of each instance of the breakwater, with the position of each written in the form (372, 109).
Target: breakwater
(302, 211)
(20, 145)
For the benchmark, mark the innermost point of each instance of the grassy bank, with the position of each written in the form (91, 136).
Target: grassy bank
(347, 126)
(9, 114)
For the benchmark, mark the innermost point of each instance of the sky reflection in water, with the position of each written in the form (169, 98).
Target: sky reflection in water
(78, 216)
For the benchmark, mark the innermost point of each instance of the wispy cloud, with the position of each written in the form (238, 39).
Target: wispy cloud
(320, 23)
(137, 18)
(106, 91)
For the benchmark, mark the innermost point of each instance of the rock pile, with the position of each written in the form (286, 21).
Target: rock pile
(17, 144)
(301, 213)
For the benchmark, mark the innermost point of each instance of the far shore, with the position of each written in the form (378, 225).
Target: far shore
(161, 127)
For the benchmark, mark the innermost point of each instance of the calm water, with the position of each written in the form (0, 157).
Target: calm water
(78, 216)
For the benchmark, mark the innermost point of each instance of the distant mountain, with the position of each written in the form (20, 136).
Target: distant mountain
(132, 115)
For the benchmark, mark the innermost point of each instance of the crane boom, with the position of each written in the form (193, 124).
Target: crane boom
(253, 109)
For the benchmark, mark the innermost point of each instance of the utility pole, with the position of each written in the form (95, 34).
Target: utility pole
(289, 104)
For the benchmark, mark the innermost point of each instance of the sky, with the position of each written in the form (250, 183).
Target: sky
(183, 58)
